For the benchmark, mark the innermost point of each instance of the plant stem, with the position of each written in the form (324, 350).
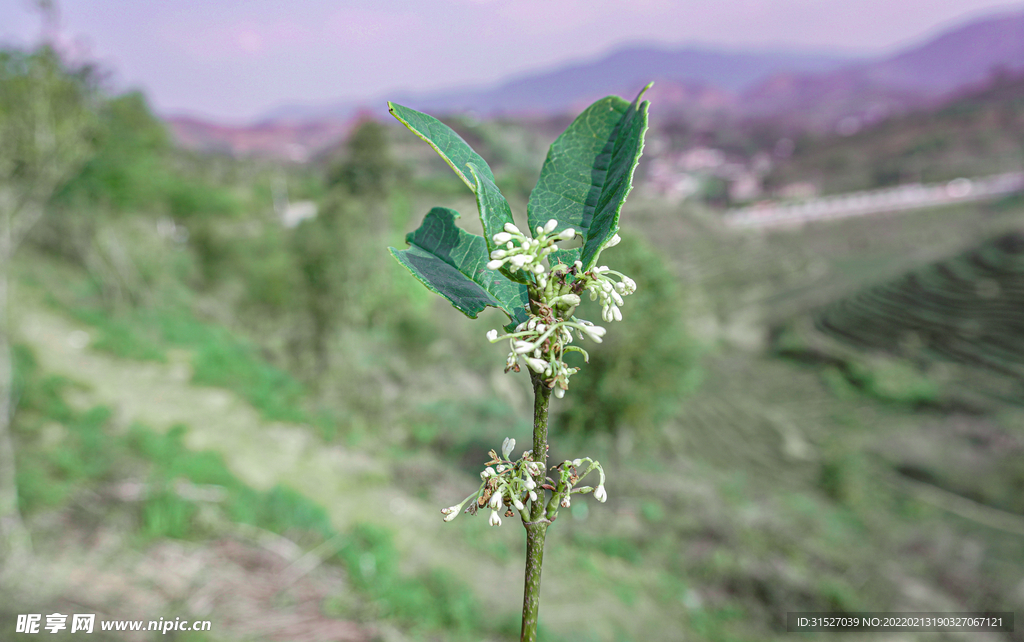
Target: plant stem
(537, 527)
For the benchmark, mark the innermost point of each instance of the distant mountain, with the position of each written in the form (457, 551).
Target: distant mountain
(296, 141)
(805, 90)
(913, 78)
(624, 72)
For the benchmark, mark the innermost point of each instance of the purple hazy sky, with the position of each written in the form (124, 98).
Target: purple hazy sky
(235, 59)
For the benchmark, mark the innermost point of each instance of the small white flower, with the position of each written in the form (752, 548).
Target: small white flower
(565, 502)
(567, 234)
(613, 241)
(502, 237)
(495, 519)
(507, 446)
(518, 504)
(577, 462)
(550, 226)
(600, 494)
(512, 229)
(499, 254)
(501, 468)
(495, 503)
(495, 264)
(489, 472)
(559, 392)
(533, 496)
(492, 335)
(450, 516)
(530, 484)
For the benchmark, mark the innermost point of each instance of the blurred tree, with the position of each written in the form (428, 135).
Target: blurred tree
(366, 169)
(47, 114)
(328, 254)
(635, 379)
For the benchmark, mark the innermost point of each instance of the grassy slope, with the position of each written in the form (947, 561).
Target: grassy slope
(768, 493)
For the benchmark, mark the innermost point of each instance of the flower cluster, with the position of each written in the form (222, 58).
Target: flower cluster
(506, 484)
(602, 287)
(522, 253)
(542, 342)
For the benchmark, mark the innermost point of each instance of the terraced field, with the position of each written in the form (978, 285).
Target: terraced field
(963, 312)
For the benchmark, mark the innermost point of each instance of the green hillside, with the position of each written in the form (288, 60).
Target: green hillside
(222, 418)
(974, 134)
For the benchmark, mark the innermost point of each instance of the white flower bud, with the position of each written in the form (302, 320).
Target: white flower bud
(489, 472)
(507, 446)
(518, 504)
(495, 264)
(502, 237)
(566, 501)
(559, 392)
(613, 241)
(492, 335)
(537, 365)
(550, 226)
(616, 314)
(533, 496)
(530, 484)
(600, 494)
(495, 502)
(540, 230)
(567, 234)
(512, 229)
(577, 462)
(495, 519)
(522, 347)
(501, 468)
(538, 269)
(450, 516)
(594, 332)
(570, 299)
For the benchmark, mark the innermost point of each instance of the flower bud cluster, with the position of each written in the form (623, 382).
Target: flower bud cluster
(543, 339)
(505, 484)
(523, 253)
(610, 292)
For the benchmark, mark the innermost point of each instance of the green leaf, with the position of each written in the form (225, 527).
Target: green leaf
(494, 213)
(453, 263)
(470, 166)
(449, 145)
(588, 173)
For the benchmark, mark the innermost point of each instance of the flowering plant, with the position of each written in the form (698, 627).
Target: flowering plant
(582, 187)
